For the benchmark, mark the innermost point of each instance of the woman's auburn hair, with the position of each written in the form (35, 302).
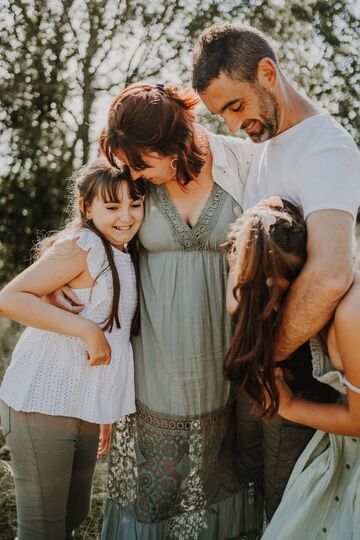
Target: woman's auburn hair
(269, 241)
(158, 118)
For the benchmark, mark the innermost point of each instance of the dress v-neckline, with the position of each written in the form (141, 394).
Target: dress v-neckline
(191, 237)
(177, 212)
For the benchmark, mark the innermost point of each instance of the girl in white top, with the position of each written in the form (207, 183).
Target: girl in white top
(70, 373)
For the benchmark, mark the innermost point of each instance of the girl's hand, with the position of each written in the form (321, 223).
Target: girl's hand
(96, 345)
(285, 394)
(104, 439)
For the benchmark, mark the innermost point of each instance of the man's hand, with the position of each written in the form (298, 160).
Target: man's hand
(66, 299)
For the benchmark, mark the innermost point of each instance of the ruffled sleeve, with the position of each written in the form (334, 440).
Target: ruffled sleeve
(323, 370)
(97, 261)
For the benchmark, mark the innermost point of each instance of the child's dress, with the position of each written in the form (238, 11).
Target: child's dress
(322, 498)
(49, 372)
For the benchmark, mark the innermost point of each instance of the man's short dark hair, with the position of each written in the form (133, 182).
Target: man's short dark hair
(233, 49)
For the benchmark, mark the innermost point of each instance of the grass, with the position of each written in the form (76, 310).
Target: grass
(7, 497)
(91, 527)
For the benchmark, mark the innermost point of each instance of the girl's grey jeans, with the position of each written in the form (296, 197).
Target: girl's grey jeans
(53, 460)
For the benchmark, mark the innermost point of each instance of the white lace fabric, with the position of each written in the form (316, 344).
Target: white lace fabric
(49, 372)
(231, 163)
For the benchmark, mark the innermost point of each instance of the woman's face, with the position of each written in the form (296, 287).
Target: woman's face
(158, 171)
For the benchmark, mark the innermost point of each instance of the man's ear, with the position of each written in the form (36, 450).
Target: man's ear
(267, 73)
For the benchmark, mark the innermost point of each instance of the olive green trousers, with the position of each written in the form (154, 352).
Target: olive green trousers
(53, 460)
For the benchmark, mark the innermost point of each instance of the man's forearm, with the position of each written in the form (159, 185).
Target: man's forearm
(309, 306)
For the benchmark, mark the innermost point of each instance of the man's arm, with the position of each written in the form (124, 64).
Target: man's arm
(325, 278)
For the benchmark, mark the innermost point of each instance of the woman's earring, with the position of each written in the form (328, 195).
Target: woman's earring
(174, 167)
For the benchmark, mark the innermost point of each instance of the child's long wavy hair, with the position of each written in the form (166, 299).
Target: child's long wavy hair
(99, 178)
(269, 246)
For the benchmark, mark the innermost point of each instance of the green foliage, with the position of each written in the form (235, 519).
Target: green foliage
(61, 59)
(7, 499)
(9, 334)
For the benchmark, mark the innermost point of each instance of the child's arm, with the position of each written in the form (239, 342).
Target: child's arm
(21, 299)
(329, 417)
(333, 418)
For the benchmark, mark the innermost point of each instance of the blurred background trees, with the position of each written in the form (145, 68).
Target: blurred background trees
(62, 61)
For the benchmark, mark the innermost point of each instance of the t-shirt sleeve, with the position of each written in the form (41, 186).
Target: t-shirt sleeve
(329, 179)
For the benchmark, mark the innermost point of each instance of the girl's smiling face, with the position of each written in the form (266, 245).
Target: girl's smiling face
(118, 221)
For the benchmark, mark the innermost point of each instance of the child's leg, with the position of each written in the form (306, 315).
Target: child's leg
(79, 499)
(42, 450)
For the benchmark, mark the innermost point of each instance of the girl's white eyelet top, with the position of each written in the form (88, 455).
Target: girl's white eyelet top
(49, 372)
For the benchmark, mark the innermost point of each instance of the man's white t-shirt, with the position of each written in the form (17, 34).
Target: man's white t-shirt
(314, 164)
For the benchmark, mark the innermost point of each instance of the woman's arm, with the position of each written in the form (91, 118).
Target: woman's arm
(334, 418)
(231, 302)
(21, 300)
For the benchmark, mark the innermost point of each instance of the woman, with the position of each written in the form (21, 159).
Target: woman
(171, 465)
(322, 498)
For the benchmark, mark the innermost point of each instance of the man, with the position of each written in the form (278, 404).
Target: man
(307, 158)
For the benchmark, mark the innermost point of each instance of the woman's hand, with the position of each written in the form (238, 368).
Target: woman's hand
(104, 439)
(96, 344)
(66, 299)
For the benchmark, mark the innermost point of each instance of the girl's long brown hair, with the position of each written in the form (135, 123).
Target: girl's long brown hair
(269, 245)
(158, 118)
(100, 179)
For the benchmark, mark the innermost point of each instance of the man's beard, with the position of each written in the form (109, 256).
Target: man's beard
(269, 116)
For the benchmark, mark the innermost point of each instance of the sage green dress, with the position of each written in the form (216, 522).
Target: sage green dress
(322, 498)
(171, 464)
